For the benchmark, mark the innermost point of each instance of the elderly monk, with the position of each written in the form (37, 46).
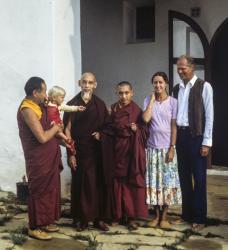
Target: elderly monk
(42, 158)
(90, 200)
(130, 135)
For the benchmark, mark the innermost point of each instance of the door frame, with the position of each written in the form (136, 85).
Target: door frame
(206, 47)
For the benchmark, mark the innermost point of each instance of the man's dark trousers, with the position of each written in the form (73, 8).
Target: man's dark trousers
(192, 172)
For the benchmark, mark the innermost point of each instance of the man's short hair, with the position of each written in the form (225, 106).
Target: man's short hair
(33, 83)
(190, 60)
(56, 91)
(124, 83)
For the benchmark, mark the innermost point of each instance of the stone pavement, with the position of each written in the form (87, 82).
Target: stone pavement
(13, 223)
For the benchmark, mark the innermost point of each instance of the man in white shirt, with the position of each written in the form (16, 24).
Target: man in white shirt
(194, 139)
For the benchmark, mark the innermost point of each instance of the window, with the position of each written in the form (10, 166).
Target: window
(144, 24)
(138, 21)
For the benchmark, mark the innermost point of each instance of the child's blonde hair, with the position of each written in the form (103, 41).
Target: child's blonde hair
(56, 91)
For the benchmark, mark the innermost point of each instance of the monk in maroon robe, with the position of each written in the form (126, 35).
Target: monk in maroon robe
(90, 187)
(130, 159)
(42, 159)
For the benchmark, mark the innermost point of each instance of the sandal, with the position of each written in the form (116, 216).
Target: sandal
(164, 224)
(178, 222)
(132, 226)
(101, 226)
(38, 234)
(51, 228)
(153, 223)
(197, 227)
(82, 227)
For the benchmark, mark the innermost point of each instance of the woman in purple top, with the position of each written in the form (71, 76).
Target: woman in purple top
(163, 187)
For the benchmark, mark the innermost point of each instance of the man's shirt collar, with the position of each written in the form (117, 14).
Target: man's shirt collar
(191, 82)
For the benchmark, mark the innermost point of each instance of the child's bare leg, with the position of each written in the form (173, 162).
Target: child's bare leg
(68, 141)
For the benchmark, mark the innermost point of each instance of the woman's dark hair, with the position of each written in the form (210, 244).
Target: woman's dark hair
(162, 74)
(33, 83)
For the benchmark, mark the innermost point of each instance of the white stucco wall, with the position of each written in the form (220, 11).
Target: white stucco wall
(66, 60)
(36, 39)
(104, 52)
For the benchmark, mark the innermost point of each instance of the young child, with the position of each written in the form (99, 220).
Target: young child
(55, 105)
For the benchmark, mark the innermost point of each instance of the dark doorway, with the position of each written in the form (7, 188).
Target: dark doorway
(219, 80)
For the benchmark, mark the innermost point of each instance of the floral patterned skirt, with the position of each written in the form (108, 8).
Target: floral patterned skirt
(162, 179)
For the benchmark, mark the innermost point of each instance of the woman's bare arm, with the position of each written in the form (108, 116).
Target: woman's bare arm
(170, 154)
(147, 114)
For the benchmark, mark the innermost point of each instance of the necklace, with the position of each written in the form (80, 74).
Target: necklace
(160, 99)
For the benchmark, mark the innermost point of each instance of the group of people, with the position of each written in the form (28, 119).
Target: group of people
(123, 160)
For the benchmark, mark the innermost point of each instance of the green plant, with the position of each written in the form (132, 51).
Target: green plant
(93, 243)
(81, 237)
(18, 238)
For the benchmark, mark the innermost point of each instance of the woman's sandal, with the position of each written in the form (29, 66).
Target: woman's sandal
(153, 223)
(164, 224)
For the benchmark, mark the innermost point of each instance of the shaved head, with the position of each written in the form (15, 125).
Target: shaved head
(88, 74)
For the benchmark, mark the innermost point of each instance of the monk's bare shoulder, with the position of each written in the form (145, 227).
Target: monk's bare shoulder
(32, 121)
(29, 115)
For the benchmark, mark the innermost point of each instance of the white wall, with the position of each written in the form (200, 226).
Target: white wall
(104, 52)
(36, 39)
(213, 13)
(66, 60)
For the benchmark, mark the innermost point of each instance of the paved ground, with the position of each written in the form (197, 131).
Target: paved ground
(213, 237)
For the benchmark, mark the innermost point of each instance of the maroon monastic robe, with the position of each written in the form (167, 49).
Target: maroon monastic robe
(130, 161)
(43, 166)
(91, 196)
